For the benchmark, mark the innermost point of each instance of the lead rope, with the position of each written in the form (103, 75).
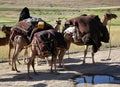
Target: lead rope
(109, 42)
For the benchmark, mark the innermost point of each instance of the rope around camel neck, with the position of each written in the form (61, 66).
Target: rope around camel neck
(109, 42)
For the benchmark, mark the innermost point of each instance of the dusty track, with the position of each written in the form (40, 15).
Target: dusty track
(73, 65)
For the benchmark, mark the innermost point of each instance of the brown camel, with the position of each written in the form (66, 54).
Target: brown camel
(75, 23)
(46, 43)
(20, 40)
(5, 40)
(57, 28)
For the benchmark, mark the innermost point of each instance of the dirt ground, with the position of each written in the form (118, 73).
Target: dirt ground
(73, 66)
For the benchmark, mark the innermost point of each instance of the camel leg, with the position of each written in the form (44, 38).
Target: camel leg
(18, 61)
(31, 62)
(33, 66)
(47, 61)
(25, 56)
(9, 54)
(85, 53)
(13, 60)
(60, 56)
(93, 52)
(18, 47)
(53, 61)
(52, 64)
(93, 58)
(28, 67)
(10, 48)
(13, 67)
(16, 52)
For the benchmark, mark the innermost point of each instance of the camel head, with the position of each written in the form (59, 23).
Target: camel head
(109, 16)
(6, 29)
(58, 21)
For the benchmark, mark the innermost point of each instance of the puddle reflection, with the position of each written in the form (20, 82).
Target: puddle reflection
(90, 80)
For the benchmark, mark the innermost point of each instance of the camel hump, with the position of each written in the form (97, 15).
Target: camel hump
(24, 14)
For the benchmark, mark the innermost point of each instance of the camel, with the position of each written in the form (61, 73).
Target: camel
(57, 27)
(80, 41)
(7, 31)
(46, 43)
(60, 51)
(20, 41)
(5, 40)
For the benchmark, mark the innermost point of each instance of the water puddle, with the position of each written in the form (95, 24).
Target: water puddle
(91, 80)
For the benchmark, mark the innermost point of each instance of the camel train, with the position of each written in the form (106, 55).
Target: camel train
(44, 40)
(22, 34)
(5, 41)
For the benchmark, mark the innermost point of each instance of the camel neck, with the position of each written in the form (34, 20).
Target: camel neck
(105, 21)
(57, 27)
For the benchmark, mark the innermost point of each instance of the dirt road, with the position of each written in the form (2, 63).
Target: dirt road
(73, 66)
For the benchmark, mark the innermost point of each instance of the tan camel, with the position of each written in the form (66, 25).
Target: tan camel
(60, 50)
(5, 41)
(57, 27)
(69, 38)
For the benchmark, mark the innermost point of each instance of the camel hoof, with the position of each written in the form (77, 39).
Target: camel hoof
(56, 73)
(10, 64)
(83, 63)
(36, 73)
(13, 69)
(93, 62)
(60, 66)
(65, 69)
(20, 64)
(18, 71)
(51, 71)
(30, 78)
